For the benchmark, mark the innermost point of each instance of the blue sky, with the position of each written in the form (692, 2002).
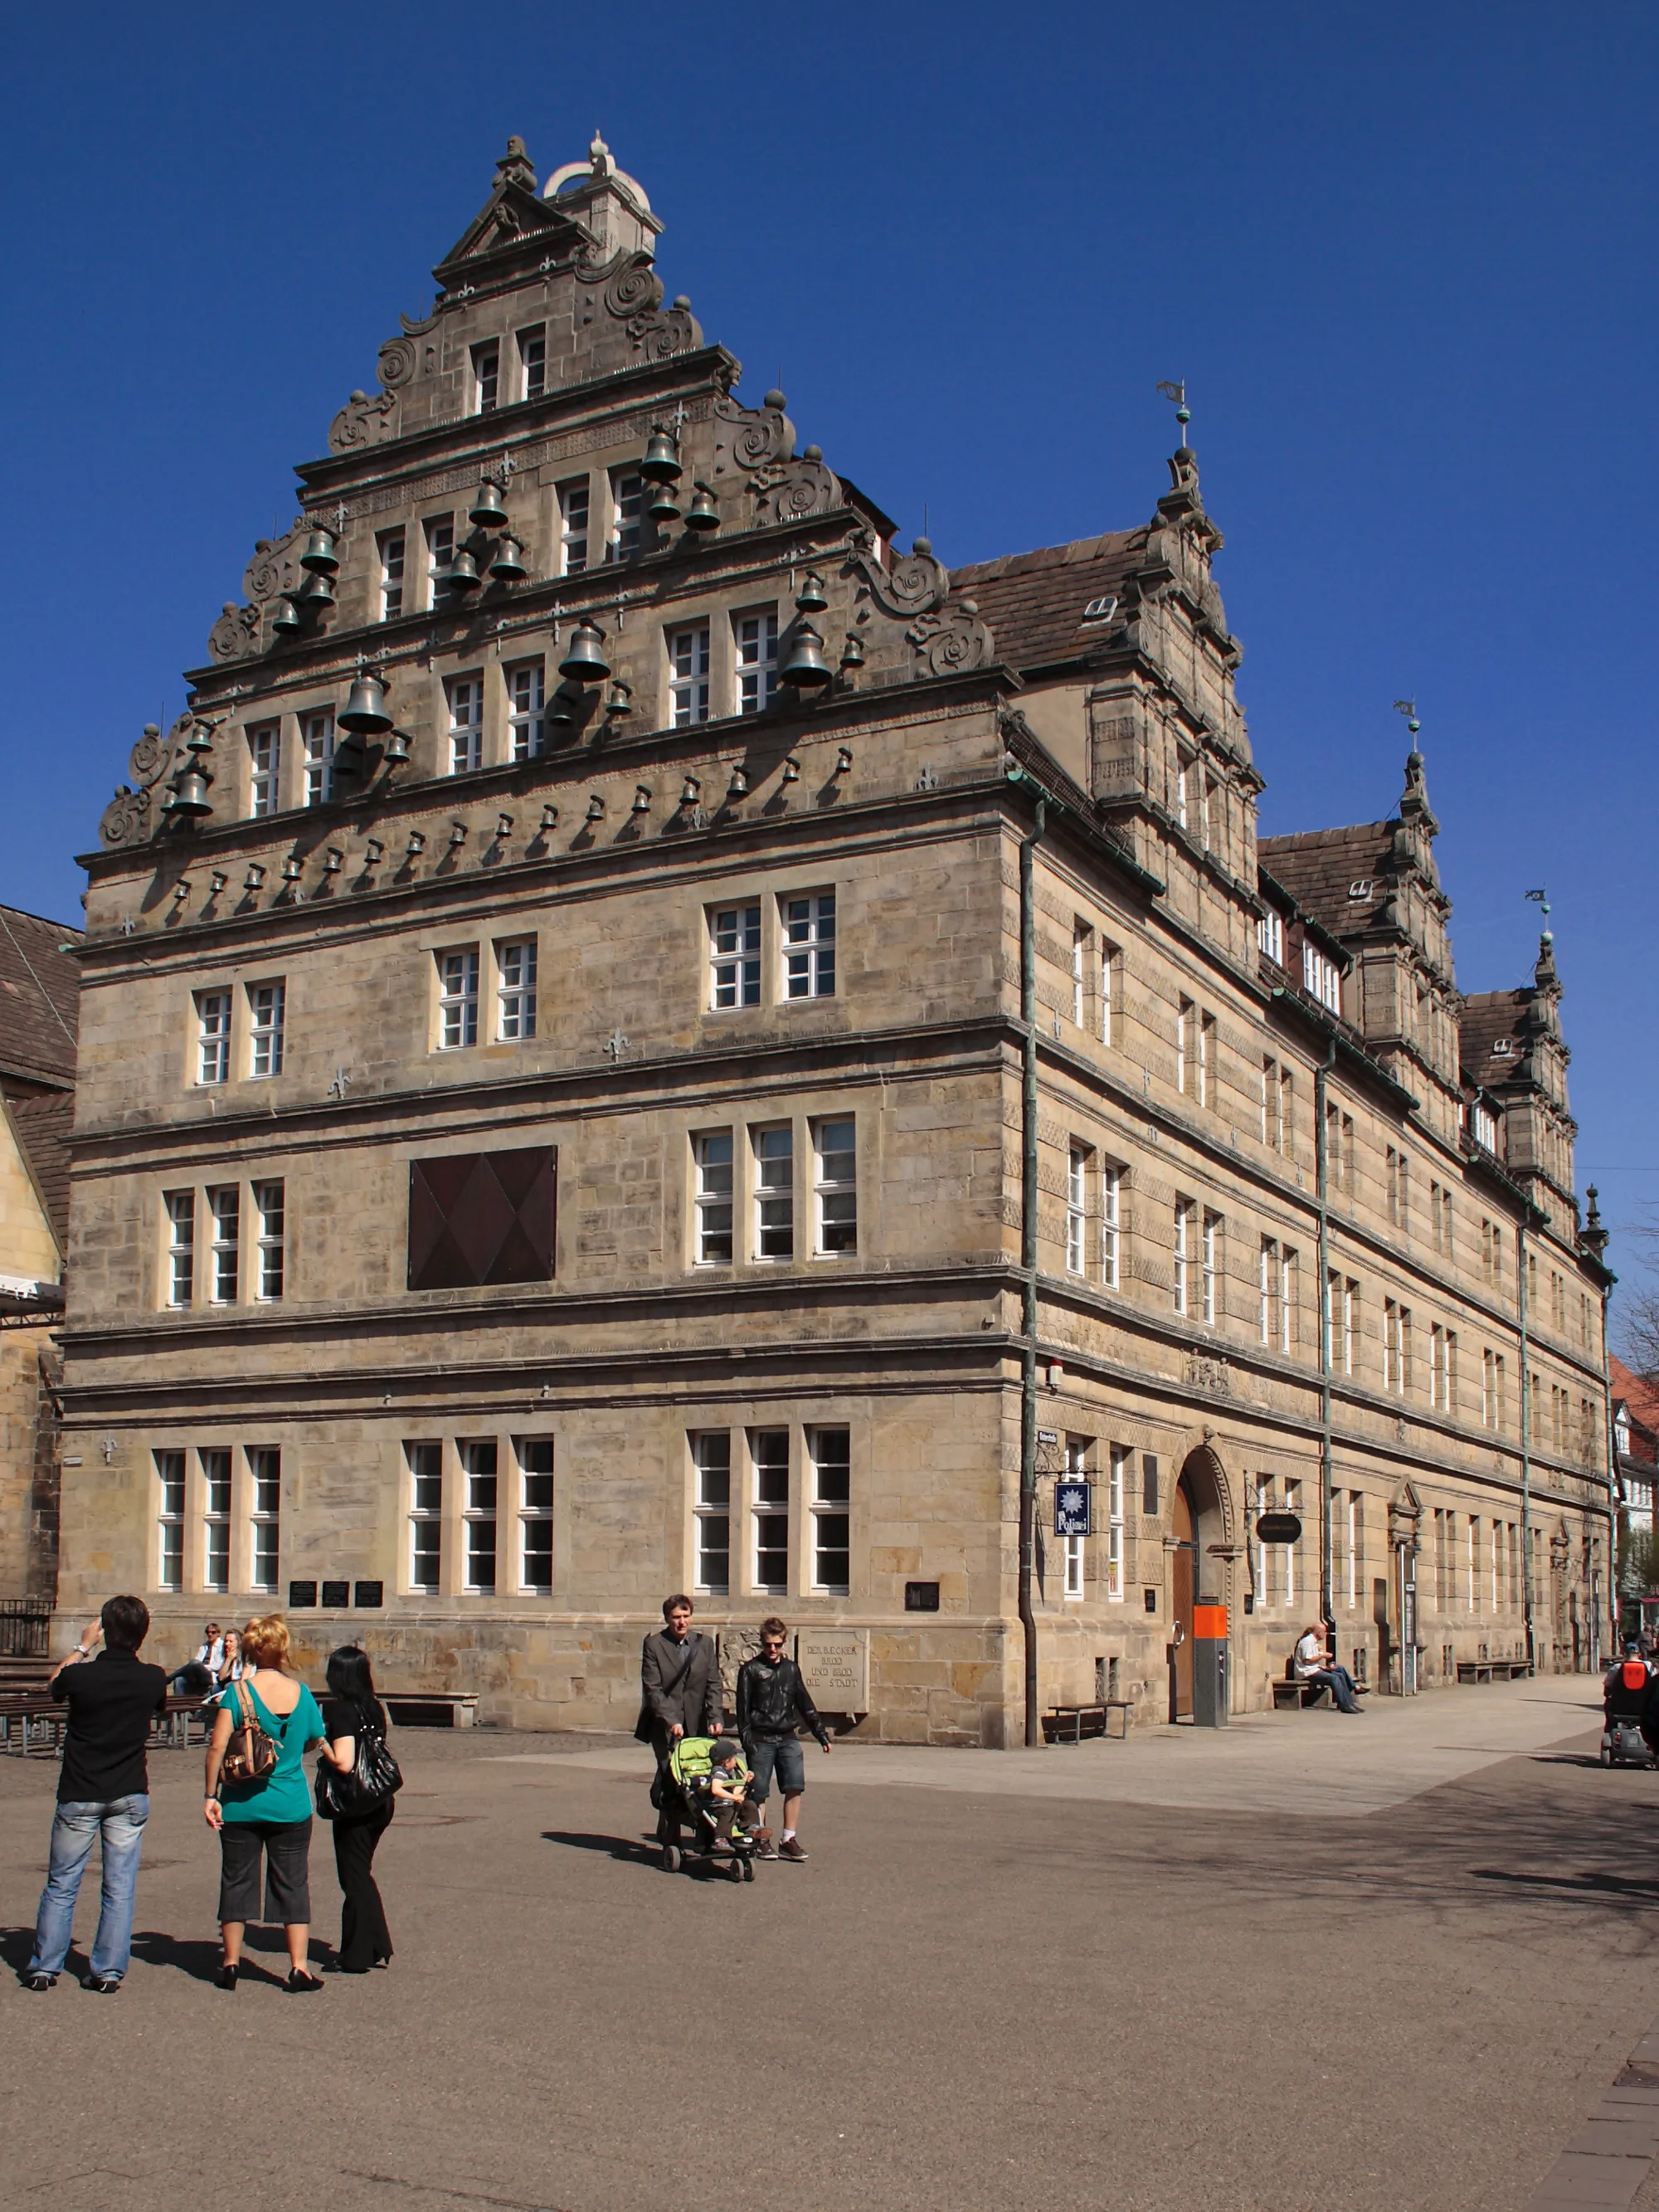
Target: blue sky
(1404, 255)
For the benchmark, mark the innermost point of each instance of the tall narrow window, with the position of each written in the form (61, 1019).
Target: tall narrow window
(1077, 1209)
(755, 638)
(212, 1036)
(264, 756)
(627, 500)
(1270, 936)
(486, 377)
(389, 545)
(270, 1213)
(535, 1455)
(215, 1519)
(1072, 1562)
(1263, 1489)
(1270, 1103)
(1111, 982)
(515, 990)
(318, 733)
(266, 1007)
(1111, 1183)
(1207, 1068)
(1186, 1045)
(1182, 776)
(426, 1500)
(1321, 979)
(458, 997)
(440, 558)
(170, 1520)
(1184, 1229)
(1117, 1466)
(835, 1186)
(465, 697)
(478, 1472)
(687, 674)
(768, 1450)
(711, 1159)
(1293, 1553)
(1356, 1544)
(265, 1474)
(181, 1247)
(526, 690)
(532, 362)
(829, 1453)
(1287, 1113)
(572, 526)
(809, 935)
(734, 955)
(1083, 961)
(225, 1204)
(775, 1192)
(711, 1461)
(1271, 1288)
(1212, 1265)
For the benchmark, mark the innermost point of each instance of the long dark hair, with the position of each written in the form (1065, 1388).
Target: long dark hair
(351, 1677)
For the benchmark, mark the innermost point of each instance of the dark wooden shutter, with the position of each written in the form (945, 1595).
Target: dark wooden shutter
(479, 1217)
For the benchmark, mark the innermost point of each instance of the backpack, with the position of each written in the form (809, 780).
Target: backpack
(251, 1753)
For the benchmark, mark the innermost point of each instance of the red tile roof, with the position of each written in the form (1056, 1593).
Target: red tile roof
(1642, 1400)
(1034, 602)
(39, 990)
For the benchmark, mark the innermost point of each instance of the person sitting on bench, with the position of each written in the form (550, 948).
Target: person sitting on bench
(1312, 1665)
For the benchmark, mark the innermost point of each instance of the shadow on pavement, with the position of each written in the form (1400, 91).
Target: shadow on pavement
(623, 1848)
(17, 1948)
(198, 1959)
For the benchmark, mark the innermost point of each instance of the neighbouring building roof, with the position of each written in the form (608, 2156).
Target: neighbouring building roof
(1641, 1401)
(1036, 603)
(39, 990)
(43, 1126)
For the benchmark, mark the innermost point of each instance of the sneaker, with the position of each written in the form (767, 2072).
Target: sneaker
(790, 1848)
(103, 1985)
(40, 1981)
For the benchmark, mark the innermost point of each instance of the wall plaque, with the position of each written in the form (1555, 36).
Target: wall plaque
(834, 1665)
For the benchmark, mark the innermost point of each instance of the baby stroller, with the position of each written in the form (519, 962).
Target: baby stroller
(685, 1803)
(1629, 1688)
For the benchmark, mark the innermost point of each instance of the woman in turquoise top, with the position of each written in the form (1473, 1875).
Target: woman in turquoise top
(272, 1817)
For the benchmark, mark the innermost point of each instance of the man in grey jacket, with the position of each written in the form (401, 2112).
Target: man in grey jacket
(679, 1694)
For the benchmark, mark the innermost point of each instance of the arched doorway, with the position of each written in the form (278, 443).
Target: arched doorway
(1199, 1521)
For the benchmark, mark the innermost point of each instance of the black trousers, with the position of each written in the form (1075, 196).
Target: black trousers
(364, 1936)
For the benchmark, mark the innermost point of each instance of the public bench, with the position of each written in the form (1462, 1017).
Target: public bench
(1076, 1723)
(29, 1724)
(1493, 1670)
(432, 1708)
(1290, 1695)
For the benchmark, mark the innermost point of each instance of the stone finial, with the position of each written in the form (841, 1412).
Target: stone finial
(1543, 974)
(1594, 1234)
(1414, 800)
(515, 167)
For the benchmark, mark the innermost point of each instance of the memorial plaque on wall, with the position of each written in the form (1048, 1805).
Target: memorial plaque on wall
(834, 1665)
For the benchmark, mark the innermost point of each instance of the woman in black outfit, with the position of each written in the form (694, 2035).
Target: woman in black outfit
(352, 1707)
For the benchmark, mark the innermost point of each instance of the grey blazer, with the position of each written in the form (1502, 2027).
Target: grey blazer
(695, 1704)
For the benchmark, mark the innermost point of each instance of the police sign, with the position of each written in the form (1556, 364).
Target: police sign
(1071, 1508)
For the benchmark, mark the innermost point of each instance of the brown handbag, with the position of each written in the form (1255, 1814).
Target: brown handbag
(250, 1755)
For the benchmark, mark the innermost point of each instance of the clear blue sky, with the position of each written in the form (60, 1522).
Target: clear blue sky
(1405, 256)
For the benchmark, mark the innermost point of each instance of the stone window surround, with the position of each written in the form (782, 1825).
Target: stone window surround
(741, 1421)
(744, 1124)
(452, 1520)
(244, 1505)
(247, 1178)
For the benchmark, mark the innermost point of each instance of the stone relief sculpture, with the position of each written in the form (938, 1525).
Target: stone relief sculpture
(128, 818)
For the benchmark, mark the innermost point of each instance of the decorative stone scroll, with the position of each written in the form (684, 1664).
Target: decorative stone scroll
(236, 635)
(947, 643)
(750, 439)
(364, 422)
(127, 820)
(788, 491)
(916, 584)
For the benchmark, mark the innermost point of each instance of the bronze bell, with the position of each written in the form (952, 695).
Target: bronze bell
(462, 573)
(486, 510)
(318, 556)
(807, 667)
(810, 599)
(286, 621)
(852, 654)
(314, 594)
(662, 506)
(703, 513)
(395, 749)
(507, 567)
(661, 465)
(190, 794)
(585, 662)
(364, 713)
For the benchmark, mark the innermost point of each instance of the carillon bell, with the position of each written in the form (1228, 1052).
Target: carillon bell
(286, 620)
(662, 506)
(462, 573)
(807, 667)
(314, 594)
(320, 555)
(852, 654)
(486, 510)
(364, 713)
(702, 514)
(661, 465)
(395, 751)
(190, 794)
(507, 567)
(810, 599)
(585, 662)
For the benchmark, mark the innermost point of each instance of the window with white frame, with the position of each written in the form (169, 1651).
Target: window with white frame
(1111, 981)
(532, 361)
(486, 377)
(1183, 1233)
(1072, 1564)
(829, 1457)
(687, 674)
(809, 946)
(768, 1452)
(1183, 771)
(170, 1520)
(755, 640)
(1186, 1046)
(1396, 1346)
(775, 1192)
(216, 1518)
(465, 697)
(389, 546)
(1077, 1209)
(527, 699)
(426, 1500)
(439, 530)
(627, 504)
(318, 733)
(267, 1005)
(1083, 961)
(1262, 1489)
(270, 1257)
(1270, 935)
(1111, 1186)
(711, 1464)
(458, 997)
(1206, 1059)
(225, 1208)
(1322, 978)
(711, 1160)
(1206, 801)
(1341, 1307)
(1278, 1294)
(478, 1457)
(572, 526)
(515, 990)
(1117, 1483)
(181, 1247)
(213, 1036)
(1443, 1369)
(1291, 1553)
(535, 1457)
(835, 1186)
(734, 955)
(264, 1476)
(1214, 1231)
(1483, 1126)
(265, 760)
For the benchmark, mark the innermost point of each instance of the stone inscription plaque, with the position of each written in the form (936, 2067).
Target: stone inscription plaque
(834, 1665)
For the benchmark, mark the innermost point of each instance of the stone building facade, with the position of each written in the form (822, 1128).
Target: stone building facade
(585, 1015)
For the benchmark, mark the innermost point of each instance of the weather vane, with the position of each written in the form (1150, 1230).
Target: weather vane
(1409, 708)
(1178, 394)
(1542, 898)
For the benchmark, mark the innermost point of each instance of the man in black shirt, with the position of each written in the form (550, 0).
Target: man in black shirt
(774, 1704)
(103, 1790)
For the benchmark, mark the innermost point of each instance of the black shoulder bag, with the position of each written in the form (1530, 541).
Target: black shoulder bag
(374, 1779)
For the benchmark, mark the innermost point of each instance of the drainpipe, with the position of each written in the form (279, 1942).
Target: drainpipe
(1028, 1261)
(1612, 1443)
(1526, 1440)
(1328, 1320)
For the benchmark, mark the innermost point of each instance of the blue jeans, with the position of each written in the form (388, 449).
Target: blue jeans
(781, 1756)
(120, 1822)
(1339, 1682)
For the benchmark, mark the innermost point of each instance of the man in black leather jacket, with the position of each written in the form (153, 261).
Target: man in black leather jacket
(773, 1706)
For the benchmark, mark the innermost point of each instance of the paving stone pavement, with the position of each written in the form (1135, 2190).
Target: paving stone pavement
(1012, 1981)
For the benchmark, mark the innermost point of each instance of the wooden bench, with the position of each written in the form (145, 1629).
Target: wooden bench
(432, 1708)
(31, 1724)
(1290, 1695)
(1075, 1724)
(1493, 1670)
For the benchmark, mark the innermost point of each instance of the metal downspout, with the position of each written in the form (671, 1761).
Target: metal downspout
(1321, 1185)
(1612, 1443)
(1525, 1441)
(1027, 1260)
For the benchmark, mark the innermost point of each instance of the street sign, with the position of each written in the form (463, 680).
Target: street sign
(1279, 1529)
(1071, 1501)
(1048, 1436)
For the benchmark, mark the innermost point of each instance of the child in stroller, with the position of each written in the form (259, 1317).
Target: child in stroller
(705, 1785)
(1626, 1698)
